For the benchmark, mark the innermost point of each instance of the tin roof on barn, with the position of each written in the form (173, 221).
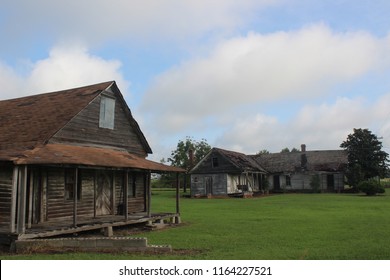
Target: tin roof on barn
(325, 160)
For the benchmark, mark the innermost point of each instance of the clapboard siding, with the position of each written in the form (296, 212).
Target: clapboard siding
(58, 206)
(224, 166)
(84, 129)
(136, 199)
(5, 196)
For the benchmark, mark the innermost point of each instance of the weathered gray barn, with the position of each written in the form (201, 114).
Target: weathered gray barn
(223, 172)
(71, 161)
(305, 169)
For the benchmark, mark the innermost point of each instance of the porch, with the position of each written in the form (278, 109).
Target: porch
(85, 224)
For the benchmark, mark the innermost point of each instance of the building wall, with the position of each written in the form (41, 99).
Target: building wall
(302, 181)
(84, 129)
(217, 184)
(5, 196)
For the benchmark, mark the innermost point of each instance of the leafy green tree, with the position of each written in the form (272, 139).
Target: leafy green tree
(263, 152)
(366, 159)
(187, 154)
(181, 156)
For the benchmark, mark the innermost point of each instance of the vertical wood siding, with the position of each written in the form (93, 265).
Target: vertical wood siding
(5, 197)
(84, 128)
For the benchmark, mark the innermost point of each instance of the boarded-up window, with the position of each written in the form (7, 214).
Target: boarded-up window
(70, 181)
(107, 112)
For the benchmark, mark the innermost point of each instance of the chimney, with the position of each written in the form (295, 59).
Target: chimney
(191, 158)
(303, 148)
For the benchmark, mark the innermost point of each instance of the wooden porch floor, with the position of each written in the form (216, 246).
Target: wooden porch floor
(55, 228)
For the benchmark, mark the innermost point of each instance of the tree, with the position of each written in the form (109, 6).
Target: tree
(263, 152)
(181, 157)
(188, 153)
(366, 160)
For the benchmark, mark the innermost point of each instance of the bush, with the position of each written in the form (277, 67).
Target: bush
(371, 187)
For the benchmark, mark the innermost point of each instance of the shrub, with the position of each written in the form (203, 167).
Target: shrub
(371, 187)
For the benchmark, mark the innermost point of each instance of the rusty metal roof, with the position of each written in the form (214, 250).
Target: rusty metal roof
(88, 156)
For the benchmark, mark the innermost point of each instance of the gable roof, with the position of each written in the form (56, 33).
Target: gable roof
(28, 123)
(326, 160)
(238, 162)
(32, 120)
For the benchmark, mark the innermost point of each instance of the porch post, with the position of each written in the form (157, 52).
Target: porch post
(177, 221)
(13, 197)
(75, 187)
(30, 199)
(125, 194)
(21, 223)
(148, 187)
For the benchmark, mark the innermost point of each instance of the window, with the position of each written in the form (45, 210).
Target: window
(132, 187)
(70, 181)
(107, 112)
(288, 180)
(214, 162)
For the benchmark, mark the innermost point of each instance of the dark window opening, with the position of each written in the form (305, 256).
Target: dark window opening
(215, 162)
(70, 181)
(288, 180)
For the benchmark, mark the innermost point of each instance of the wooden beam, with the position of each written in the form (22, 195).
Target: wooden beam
(15, 184)
(30, 200)
(94, 193)
(148, 187)
(125, 194)
(177, 194)
(22, 186)
(75, 187)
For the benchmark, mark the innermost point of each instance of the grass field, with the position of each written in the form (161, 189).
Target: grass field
(277, 227)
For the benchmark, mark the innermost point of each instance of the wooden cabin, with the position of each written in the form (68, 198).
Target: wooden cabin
(222, 172)
(71, 161)
(305, 170)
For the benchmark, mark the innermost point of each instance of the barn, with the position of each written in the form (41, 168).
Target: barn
(316, 170)
(71, 161)
(222, 172)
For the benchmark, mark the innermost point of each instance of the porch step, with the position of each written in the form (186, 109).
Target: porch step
(88, 244)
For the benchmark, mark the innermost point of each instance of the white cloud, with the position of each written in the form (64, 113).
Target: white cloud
(65, 67)
(97, 20)
(262, 68)
(322, 126)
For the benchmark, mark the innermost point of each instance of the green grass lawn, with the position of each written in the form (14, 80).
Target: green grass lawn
(277, 227)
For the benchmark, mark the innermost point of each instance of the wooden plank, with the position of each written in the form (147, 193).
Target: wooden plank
(15, 181)
(21, 222)
(30, 199)
(75, 187)
(126, 198)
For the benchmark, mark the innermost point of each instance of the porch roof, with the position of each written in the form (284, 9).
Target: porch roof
(88, 156)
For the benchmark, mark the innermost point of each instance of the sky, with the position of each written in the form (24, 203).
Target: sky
(246, 75)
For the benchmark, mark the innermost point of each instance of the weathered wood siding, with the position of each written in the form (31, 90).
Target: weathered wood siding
(57, 206)
(135, 192)
(224, 166)
(218, 184)
(84, 129)
(5, 197)
(302, 181)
